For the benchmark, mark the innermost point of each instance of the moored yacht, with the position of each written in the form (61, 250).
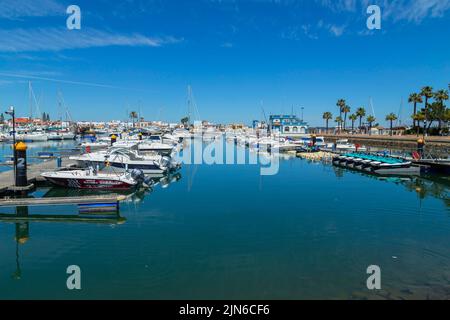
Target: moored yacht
(126, 158)
(91, 179)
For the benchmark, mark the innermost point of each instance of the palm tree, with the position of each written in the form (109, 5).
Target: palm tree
(446, 117)
(133, 116)
(327, 116)
(345, 110)
(426, 92)
(415, 98)
(419, 117)
(391, 117)
(371, 120)
(361, 113)
(341, 104)
(339, 121)
(441, 96)
(353, 118)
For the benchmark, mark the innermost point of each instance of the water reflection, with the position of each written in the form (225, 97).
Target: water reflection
(429, 185)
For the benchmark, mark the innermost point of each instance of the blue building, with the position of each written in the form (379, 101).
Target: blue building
(288, 125)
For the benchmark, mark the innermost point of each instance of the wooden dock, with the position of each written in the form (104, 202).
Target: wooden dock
(33, 173)
(100, 199)
(111, 219)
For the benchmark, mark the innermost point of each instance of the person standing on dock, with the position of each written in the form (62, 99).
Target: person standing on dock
(421, 147)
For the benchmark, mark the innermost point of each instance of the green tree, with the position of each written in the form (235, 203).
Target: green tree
(371, 120)
(361, 113)
(185, 121)
(427, 93)
(441, 96)
(446, 117)
(340, 104)
(415, 98)
(327, 116)
(419, 117)
(339, 121)
(353, 118)
(133, 116)
(346, 109)
(2, 118)
(391, 117)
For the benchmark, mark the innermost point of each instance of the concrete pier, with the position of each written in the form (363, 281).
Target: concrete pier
(34, 174)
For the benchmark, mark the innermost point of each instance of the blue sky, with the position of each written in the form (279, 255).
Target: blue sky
(237, 55)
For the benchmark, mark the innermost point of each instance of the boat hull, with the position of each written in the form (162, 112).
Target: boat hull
(97, 184)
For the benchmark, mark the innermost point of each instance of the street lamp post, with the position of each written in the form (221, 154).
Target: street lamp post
(12, 113)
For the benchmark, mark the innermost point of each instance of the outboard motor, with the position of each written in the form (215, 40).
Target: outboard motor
(138, 175)
(166, 162)
(149, 182)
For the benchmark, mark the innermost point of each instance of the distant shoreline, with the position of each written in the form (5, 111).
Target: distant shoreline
(406, 140)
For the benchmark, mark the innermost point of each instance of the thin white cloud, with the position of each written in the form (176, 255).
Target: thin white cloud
(35, 76)
(13, 9)
(336, 30)
(395, 10)
(58, 39)
(414, 11)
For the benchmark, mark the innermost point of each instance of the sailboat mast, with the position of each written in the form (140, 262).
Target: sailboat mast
(30, 101)
(371, 106)
(400, 111)
(189, 105)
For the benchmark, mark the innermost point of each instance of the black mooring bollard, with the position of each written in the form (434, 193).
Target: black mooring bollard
(20, 157)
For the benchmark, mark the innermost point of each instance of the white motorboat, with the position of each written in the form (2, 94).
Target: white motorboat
(126, 159)
(94, 145)
(68, 135)
(91, 179)
(155, 145)
(31, 136)
(181, 134)
(344, 145)
(54, 136)
(171, 139)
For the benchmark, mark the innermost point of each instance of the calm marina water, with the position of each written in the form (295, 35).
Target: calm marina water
(226, 232)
